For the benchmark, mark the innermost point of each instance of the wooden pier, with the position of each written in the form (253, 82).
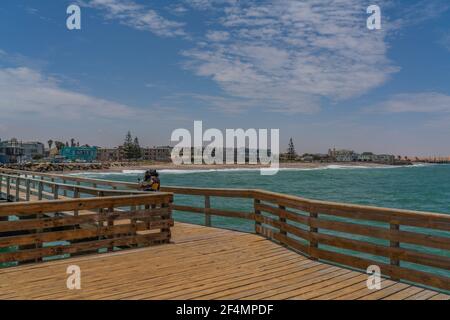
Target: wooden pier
(300, 248)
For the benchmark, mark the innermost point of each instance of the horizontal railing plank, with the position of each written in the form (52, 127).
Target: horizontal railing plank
(26, 208)
(30, 224)
(403, 254)
(69, 235)
(30, 254)
(383, 233)
(407, 274)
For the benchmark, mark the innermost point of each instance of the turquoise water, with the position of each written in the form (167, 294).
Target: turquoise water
(423, 188)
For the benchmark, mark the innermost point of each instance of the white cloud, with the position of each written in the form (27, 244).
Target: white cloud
(25, 91)
(426, 102)
(217, 35)
(288, 55)
(137, 16)
(418, 12)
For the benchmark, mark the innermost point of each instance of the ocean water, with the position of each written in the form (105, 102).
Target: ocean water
(419, 187)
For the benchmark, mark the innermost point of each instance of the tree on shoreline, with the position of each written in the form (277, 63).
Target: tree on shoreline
(131, 148)
(59, 145)
(291, 154)
(137, 149)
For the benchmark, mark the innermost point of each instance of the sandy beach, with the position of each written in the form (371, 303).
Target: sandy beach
(293, 165)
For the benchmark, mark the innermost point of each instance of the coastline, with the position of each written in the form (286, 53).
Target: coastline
(192, 167)
(119, 167)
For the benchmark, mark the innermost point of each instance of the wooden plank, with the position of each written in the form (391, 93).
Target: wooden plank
(221, 264)
(82, 204)
(394, 271)
(29, 224)
(81, 233)
(403, 254)
(81, 247)
(383, 233)
(388, 215)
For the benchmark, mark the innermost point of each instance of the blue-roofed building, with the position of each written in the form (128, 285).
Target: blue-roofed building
(84, 153)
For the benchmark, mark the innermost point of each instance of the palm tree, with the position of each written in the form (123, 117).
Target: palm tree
(50, 143)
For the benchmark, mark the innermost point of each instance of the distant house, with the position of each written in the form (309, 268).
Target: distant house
(11, 151)
(366, 157)
(83, 154)
(33, 150)
(345, 155)
(161, 153)
(307, 158)
(384, 158)
(14, 151)
(110, 154)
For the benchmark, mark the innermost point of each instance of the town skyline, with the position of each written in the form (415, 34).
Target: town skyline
(284, 150)
(155, 67)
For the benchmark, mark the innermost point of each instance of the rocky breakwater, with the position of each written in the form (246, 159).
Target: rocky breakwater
(62, 167)
(56, 167)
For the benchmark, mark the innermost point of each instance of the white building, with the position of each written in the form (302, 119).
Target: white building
(345, 155)
(32, 150)
(384, 158)
(366, 157)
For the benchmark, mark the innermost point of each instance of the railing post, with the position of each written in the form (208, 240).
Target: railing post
(169, 211)
(257, 212)
(8, 188)
(313, 244)
(110, 222)
(17, 189)
(65, 191)
(39, 244)
(1, 184)
(100, 194)
(28, 192)
(394, 244)
(282, 219)
(76, 194)
(55, 191)
(207, 215)
(40, 190)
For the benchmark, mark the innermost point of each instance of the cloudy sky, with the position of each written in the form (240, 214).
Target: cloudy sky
(308, 67)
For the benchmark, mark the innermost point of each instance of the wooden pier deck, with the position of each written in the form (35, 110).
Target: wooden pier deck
(201, 263)
(300, 248)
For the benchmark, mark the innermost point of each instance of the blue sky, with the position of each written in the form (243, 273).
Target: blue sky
(310, 68)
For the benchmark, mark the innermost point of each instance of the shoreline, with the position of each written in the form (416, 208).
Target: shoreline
(121, 167)
(299, 165)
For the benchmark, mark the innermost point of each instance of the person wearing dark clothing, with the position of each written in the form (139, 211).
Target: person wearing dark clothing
(151, 181)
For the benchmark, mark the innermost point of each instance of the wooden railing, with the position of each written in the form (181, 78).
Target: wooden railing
(43, 229)
(52, 177)
(407, 245)
(19, 187)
